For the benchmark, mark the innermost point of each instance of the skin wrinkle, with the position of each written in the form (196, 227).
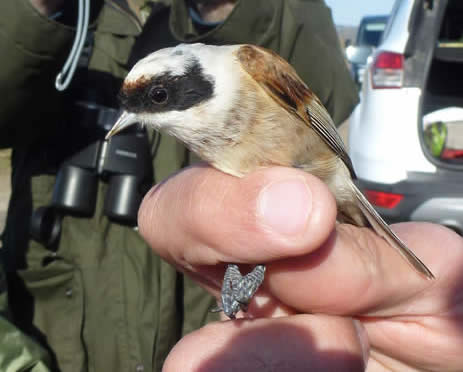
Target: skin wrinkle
(223, 194)
(382, 360)
(438, 342)
(338, 238)
(298, 335)
(393, 364)
(237, 216)
(197, 210)
(370, 265)
(388, 304)
(425, 303)
(382, 351)
(243, 219)
(148, 214)
(156, 197)
(200, 195)
(372, 257)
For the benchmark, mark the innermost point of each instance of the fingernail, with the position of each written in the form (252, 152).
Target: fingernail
(285, 206)
(363, 338)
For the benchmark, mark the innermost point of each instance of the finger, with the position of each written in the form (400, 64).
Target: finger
(297, 343)
(204, 217)
(357, 272)
(432, 343)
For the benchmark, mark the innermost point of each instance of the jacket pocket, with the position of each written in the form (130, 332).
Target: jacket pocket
(58, 306)
(114, 38)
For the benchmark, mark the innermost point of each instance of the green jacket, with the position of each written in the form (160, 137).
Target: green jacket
(18, 352)
(103, 301)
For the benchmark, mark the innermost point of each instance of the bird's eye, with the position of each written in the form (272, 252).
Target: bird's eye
(158, 95)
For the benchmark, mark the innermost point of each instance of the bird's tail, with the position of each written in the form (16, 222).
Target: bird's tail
(383, 229)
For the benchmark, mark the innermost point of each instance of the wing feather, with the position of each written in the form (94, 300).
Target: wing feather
(281, 82)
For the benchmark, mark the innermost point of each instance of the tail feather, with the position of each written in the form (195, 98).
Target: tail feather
(383, 229)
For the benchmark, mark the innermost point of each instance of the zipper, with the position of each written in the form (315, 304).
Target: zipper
(126, 12)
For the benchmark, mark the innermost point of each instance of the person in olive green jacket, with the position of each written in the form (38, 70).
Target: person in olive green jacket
(99, 299)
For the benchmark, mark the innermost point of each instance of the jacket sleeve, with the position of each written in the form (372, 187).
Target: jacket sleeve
(35, 48)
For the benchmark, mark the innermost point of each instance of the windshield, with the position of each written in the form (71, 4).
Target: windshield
(370, 32)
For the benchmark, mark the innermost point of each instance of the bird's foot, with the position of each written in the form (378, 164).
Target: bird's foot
(238, 290)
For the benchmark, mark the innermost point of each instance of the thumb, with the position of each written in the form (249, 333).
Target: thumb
(203, 217)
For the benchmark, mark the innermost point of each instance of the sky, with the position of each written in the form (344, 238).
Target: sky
(349, 12)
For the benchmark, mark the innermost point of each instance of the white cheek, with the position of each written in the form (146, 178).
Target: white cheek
(196, 127)
(209, 118)
(226, 74)
(185, 125)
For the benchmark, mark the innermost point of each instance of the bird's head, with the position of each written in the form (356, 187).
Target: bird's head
(186, 91)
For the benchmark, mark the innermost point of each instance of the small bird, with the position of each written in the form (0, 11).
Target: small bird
(240, 108)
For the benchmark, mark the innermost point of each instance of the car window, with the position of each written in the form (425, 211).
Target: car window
(370, 33)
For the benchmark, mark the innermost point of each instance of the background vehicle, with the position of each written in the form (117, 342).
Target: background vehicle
(368, 37)
(406, 148)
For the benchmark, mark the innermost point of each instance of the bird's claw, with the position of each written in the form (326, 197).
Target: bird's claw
(238, 290)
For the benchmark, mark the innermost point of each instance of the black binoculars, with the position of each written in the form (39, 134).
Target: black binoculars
(123, 162)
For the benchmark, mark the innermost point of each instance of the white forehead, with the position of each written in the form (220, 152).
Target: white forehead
(213, 59)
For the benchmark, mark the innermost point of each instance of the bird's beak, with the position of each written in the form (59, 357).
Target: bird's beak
(125, 120)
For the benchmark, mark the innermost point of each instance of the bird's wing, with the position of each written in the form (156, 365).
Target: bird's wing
(281, 82)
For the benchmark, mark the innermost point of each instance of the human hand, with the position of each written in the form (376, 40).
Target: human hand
(320, 276)
(47, 7)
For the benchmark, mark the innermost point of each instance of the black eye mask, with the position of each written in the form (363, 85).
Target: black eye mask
(167, 92)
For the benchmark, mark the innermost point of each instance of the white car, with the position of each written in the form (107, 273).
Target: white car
(406, 135)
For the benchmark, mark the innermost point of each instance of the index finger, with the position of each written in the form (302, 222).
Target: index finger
(358, 272)
(286, 218)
